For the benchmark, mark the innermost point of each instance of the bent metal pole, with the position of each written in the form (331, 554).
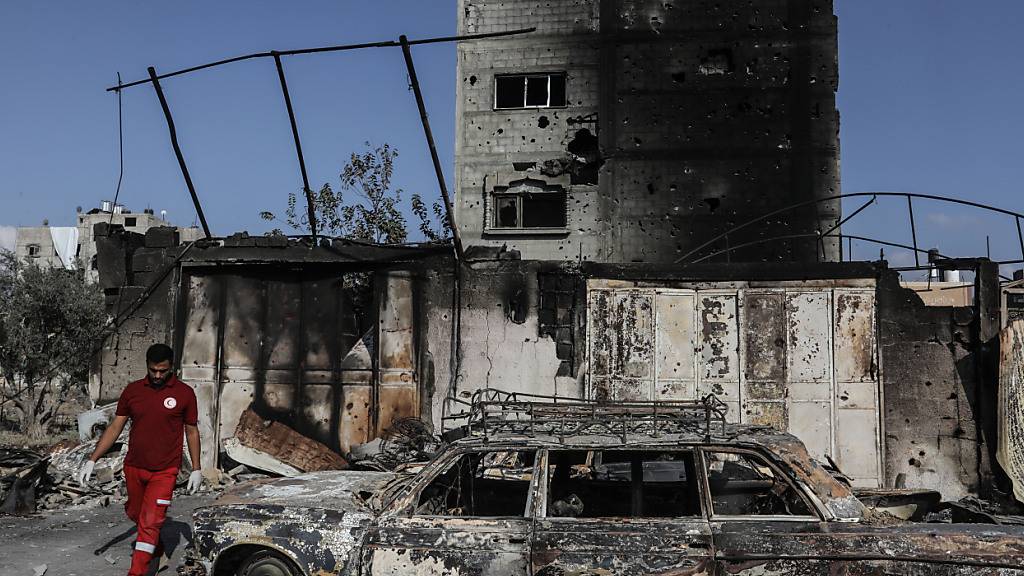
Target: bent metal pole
(177, 150)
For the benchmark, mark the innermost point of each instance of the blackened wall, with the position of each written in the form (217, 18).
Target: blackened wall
(705, 115)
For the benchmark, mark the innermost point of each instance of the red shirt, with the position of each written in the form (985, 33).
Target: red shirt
(158, 418)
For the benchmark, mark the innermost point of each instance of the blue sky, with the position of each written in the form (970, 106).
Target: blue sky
(929, 101)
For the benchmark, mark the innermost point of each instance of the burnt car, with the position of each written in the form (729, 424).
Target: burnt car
(552, 487)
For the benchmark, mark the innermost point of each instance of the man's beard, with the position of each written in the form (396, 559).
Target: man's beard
(158, 382)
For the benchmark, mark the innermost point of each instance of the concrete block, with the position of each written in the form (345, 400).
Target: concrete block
(161, 237)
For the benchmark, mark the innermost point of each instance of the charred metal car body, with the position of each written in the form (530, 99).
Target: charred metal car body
(573, 487)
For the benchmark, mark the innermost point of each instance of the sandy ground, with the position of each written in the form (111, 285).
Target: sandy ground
(88, 541)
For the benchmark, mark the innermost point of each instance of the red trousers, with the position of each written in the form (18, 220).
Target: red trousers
(149, 495)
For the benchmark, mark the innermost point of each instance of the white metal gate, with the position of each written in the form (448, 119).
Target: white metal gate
(802, 360)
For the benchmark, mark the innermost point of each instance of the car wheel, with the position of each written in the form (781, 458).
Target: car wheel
(267, 563)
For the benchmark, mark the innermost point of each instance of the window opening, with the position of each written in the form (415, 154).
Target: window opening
(528, 205)
(480, 484)
(129, 222)
(529, 91)
(621, 483)
(744, 484)
(33, 250)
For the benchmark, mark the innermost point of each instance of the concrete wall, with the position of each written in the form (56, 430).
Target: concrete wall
(935, 390)
(700, 116)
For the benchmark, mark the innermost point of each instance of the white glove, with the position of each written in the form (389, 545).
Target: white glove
(82, 477)
(195, 480)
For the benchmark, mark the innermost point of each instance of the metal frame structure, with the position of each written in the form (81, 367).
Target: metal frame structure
(820, 236)
(403, 42)
(496, 412)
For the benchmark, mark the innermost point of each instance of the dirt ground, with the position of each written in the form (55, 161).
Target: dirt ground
(88, 541)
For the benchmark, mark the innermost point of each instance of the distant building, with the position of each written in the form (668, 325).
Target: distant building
(75, 246)
(50, 246)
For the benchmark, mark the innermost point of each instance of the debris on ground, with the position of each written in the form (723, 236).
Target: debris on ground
(407, 441)
(20, 474)
(273, 447)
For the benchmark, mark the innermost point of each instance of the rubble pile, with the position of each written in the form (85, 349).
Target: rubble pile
(406, 441)
(63, 490)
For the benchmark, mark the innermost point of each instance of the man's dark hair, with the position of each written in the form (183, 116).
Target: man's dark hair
(158, 353)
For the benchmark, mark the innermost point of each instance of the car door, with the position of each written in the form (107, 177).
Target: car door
(761, 520)
(623, 512)
(467, 516)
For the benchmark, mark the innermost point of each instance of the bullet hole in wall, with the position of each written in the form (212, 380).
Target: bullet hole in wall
(472, 80)
(543, 122)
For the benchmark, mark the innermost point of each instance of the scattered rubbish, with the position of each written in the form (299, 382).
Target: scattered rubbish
(40, 570)
(109, 558)
(406, 441)
(20, 474)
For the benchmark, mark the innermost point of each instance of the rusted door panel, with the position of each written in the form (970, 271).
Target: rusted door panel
(675, 340)
(791, 358)
(242, 346)
(764, 333)
(599, 337)
(719, 340)
(812, 423)
(289, 344)
(856, 388)
(622, 345)
(855, 336)
(856, 433)
(199, 356)
(447, 546)
(808, 338)
(622, 546)
(718, 344)
(633, 314)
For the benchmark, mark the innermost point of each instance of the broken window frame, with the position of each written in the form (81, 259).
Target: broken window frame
(34, 250)
(526, 77)
(544, 479)
(520, 197)
(798, 487)
(406, 506)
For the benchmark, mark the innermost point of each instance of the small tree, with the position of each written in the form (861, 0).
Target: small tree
(374, 216)
(50, 320)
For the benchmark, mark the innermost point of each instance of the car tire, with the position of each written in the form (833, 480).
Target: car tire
(267, 563)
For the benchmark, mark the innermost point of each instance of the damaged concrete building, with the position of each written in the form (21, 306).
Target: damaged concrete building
(591, 155)
(632, 131)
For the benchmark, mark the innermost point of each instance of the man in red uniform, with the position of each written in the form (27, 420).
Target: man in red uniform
(161, 409)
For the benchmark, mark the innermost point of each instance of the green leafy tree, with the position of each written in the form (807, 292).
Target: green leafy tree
(50, 322)
(373, 214)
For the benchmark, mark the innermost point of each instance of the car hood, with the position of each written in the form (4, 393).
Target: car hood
(341, 491)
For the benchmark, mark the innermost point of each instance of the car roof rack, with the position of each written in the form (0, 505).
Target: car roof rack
(500, 413)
